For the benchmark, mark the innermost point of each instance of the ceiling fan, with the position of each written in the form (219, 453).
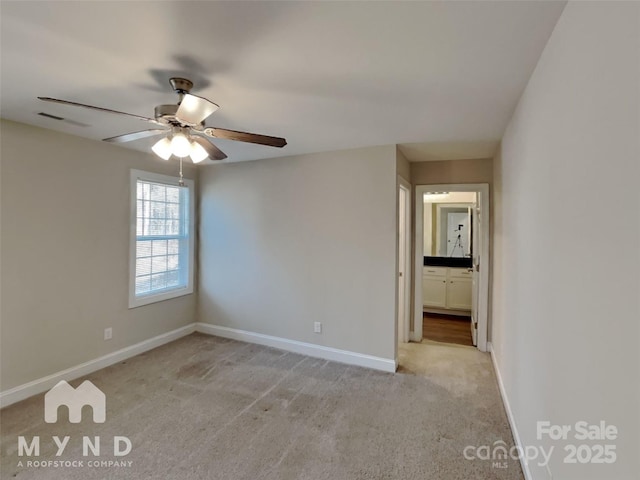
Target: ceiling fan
(183, 127)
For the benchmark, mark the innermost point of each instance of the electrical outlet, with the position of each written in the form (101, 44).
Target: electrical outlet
(317, 327)
(108, 333)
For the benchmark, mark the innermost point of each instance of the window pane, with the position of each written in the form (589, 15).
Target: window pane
(173, 194)
(145, 191)
(173, 227)
(159, 247)
(173, 211)
(143, 248)
(172, 262)
(143, 266)
(157, 227)
(173, 278)
(159, 281)
(158, 192)
(158, 210)
(173, 246)
(159, 264)
(143, 285)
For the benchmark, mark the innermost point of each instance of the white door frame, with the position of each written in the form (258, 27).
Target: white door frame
(482, 189)
(405, 336)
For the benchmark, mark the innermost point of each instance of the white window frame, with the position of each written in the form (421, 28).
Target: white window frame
(138, 301)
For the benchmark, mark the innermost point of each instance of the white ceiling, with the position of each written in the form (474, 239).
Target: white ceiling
(325, 75)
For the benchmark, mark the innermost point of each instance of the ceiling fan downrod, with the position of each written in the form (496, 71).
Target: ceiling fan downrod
(182, 86)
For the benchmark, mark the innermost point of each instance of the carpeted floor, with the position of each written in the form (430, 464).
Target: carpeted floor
(210, 408)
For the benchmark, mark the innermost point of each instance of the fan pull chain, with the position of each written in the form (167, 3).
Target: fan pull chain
(181, 182)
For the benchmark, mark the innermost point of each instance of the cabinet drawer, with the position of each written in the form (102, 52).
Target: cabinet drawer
(434, 271)
(460, 273)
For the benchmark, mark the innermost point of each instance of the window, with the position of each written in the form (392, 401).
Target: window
(161, 250)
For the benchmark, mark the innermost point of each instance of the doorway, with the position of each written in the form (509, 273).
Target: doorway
(451, 271)
(404, 261)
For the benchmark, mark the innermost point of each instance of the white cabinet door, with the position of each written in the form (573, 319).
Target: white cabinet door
(459, 293)
(434, 291)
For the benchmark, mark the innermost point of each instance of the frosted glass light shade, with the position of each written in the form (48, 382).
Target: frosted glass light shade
(162, 148)
(180, 145)
(435, 196)
(198, 153)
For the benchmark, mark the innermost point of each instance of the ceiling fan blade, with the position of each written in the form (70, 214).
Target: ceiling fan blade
(214, 152)
(193, 109)
(245, 137)
(129, 137)
(100, 109)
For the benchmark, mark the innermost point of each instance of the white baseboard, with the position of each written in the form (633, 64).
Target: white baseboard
(507, 407)
(43, 384)
(310, 349)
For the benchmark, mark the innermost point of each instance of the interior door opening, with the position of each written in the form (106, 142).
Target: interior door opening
(451, 264)
(404, 262)
(447, 273)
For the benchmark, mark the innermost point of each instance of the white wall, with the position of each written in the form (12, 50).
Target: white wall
(289, 241)
(65, 253)
(566, 314)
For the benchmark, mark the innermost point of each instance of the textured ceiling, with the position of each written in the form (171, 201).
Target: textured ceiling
(325, 75)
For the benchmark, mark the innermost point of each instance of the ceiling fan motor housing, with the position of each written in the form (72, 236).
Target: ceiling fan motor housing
(166, 114)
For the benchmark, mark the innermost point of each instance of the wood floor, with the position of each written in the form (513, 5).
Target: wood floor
(447, 329)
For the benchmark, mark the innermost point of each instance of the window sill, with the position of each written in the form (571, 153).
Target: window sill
(159, 297)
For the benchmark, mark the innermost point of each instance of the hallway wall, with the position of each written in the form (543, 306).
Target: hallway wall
(565, 308)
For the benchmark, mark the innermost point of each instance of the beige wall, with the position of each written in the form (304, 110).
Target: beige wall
(452, 171)
(566, 312)
(290, 241)
(65, 253)
(403, 167)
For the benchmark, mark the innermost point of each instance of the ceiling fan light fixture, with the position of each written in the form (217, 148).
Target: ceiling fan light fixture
(180, 145)
(197, 153)
(162, 148)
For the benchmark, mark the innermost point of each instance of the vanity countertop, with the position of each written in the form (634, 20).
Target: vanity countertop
(454, 262)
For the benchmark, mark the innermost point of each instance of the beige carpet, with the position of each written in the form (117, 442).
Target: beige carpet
(209, 408)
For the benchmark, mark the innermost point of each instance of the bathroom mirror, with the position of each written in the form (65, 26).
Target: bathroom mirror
(453, 230)
(448, 224)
